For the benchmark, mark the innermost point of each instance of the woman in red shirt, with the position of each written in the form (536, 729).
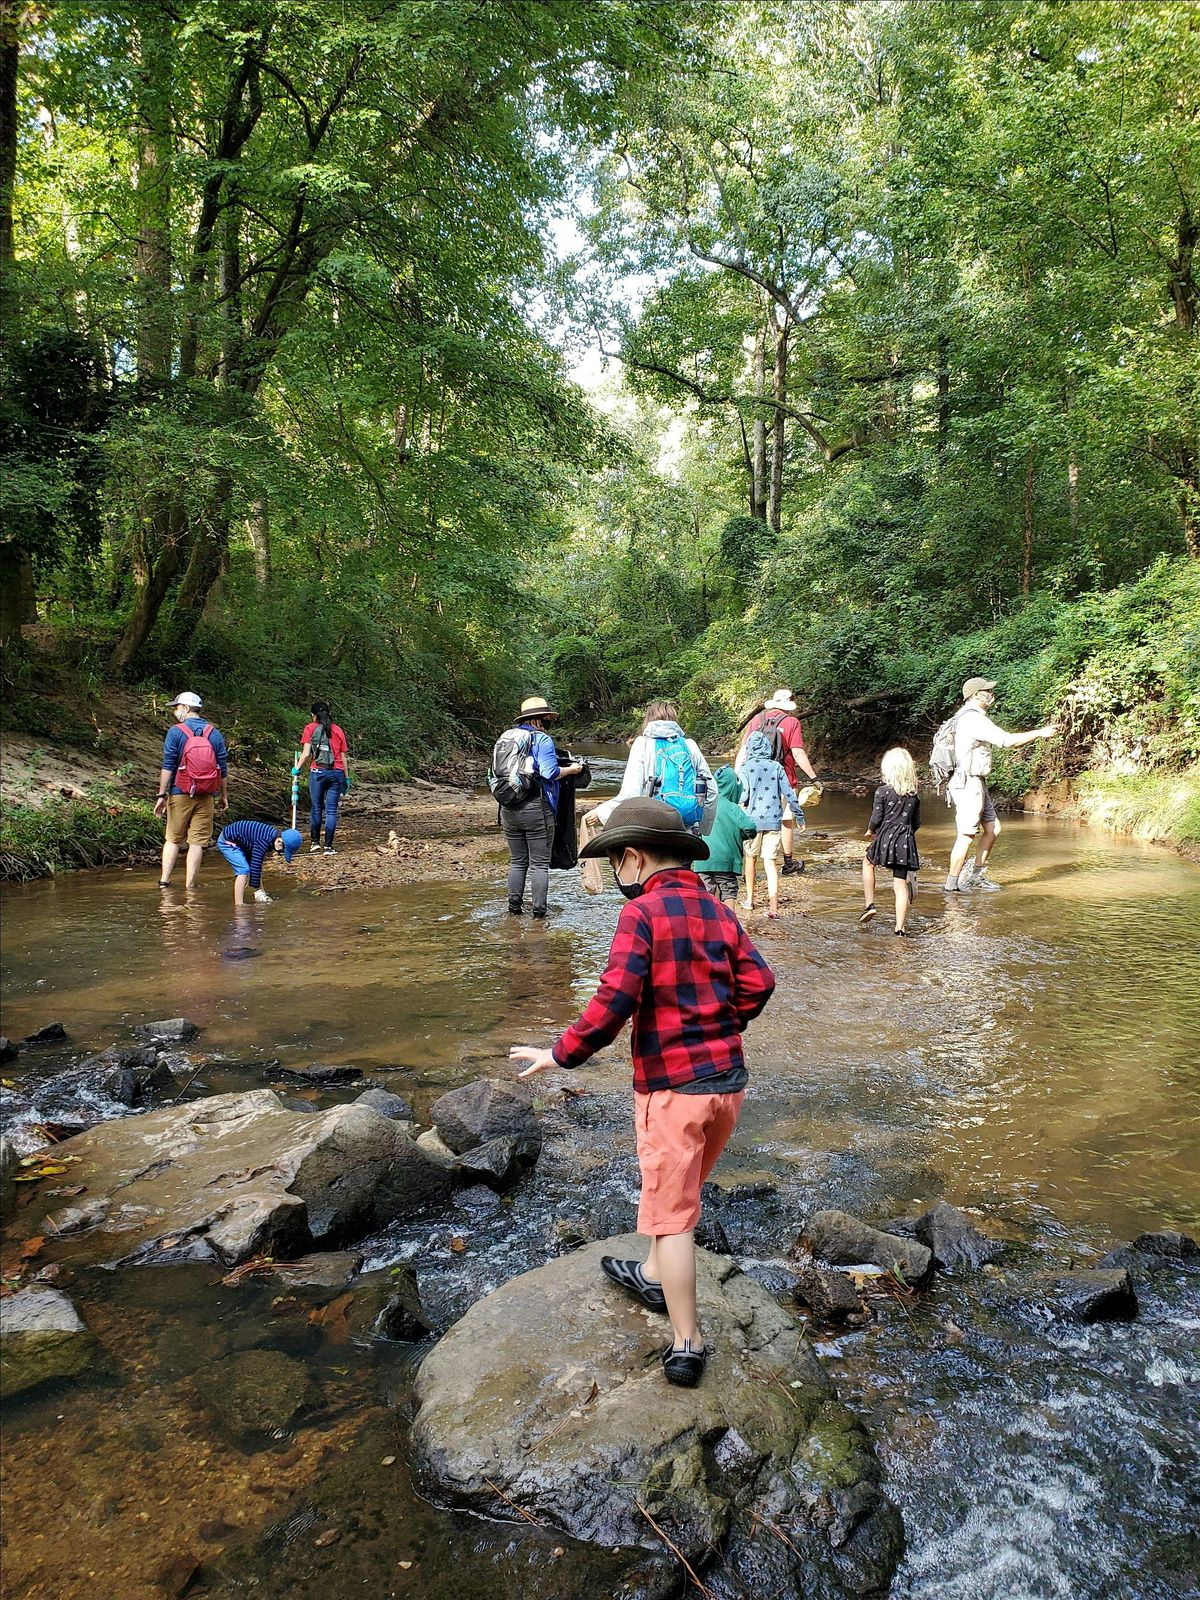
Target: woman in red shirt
(329, 775)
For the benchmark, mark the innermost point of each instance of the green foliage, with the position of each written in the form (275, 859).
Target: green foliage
(99, 831)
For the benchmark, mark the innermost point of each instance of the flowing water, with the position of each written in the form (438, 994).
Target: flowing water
(1032, 1054)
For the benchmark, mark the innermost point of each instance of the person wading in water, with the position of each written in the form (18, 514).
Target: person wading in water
(528, 799)
(975, 735)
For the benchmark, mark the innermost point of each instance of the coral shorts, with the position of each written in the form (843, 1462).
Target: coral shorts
(679, 1137)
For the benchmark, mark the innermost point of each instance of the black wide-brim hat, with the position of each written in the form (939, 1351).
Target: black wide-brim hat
(647, 825)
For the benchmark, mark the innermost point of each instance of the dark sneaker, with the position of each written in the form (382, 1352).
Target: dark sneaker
(791, 866)
(515, 908)
(539, 915)
(684, 1367)
(628, 1275)
(867, 916)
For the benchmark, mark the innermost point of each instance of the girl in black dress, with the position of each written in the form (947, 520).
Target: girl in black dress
(895, 818)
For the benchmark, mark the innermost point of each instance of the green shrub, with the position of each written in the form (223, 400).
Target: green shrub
(96, 832)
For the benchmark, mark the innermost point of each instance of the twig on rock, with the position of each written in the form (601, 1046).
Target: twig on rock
(676, 1551)
(520, 1510)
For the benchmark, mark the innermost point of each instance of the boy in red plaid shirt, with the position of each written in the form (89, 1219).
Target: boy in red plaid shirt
(682, 967)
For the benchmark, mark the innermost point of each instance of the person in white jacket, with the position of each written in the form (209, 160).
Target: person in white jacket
(660, 723)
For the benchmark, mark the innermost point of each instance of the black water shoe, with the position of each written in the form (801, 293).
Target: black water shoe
(629, 1275)
(684, 1367)
(867, 916)
(515, 908)
(791, 866)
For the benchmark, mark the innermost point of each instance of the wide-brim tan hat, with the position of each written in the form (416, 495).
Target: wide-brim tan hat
(535, 706)
(649, 825)
(974, 685)
(781, 700)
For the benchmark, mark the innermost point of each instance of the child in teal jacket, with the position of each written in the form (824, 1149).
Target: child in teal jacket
(732, 829)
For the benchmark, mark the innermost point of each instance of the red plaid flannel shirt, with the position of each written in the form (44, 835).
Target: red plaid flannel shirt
(682, 967)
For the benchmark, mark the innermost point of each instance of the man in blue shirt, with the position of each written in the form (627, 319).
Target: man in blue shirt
(195, 771)
(529, 826)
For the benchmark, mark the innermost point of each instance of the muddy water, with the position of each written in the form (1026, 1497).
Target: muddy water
(1032, 1053)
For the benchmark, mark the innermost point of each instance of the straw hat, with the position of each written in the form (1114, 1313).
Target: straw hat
(647, 824)
(536, 707)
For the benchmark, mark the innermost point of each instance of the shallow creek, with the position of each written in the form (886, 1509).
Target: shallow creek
(1033, 1054)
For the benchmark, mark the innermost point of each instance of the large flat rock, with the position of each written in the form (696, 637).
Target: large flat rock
(234, 1175)
(549, 1395)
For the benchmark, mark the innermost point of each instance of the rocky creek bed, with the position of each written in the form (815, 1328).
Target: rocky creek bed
(369, 1350)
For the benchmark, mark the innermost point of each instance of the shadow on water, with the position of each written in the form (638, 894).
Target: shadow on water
(1032, 1054)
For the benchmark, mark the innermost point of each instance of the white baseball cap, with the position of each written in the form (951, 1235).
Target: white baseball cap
(187, 698)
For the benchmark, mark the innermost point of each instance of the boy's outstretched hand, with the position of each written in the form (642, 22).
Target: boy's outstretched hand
(535, 1060)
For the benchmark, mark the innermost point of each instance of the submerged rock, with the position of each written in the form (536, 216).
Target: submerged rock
(549, 1395)
(8, 1050)
(257, 1392)
(237, 1174)
(482, 1111)
(42, 1337)
(52, 1033)
(387, 1104)
(172, 1030)
(318, 1073)
(1151, 1252)
(842, 1240)
(1096, 1295)
(953, 1239)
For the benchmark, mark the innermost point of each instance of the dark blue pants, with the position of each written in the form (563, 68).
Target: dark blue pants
(324, 792)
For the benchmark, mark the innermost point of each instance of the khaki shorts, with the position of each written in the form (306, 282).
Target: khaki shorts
(190, 818)
(767, 846)
(972, 806)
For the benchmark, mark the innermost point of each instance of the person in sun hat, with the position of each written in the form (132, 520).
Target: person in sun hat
(975, 736)
(195, 773)
(682, 968)
(778, 720)
(528, 824)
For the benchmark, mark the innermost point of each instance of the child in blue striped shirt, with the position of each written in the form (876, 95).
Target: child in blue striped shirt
(246, 845)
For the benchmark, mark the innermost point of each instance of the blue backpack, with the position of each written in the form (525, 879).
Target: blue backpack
(675, 778)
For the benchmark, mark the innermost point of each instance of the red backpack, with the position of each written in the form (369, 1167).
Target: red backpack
(198, 772)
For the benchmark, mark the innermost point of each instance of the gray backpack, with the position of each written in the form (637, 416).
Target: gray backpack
(942, 758)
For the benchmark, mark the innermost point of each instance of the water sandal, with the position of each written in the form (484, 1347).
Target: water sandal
(164, 885)
(867, 916)
(684, 1367)
(629, 1275)
(791, 866)
(900, 933)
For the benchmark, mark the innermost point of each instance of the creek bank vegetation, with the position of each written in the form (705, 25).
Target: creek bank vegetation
(900, 302)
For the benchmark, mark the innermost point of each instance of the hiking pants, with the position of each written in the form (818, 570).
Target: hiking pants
(324, 793)
(529, 833)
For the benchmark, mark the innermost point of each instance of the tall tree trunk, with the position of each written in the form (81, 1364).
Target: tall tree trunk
(1184, 295)
(782, 330)
(10, 55)
(152, 594)
(152, 255)
(207, 552)
(1027, 533)
(758, 436)
(943, 392)
(16, 569)
(259, 526)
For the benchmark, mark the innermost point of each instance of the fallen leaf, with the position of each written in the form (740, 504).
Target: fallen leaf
(558, 1551)
(32, 1247)
(388, 1461)
(404, 1565)
(330, 1536)
(71, 1189)
(458, 1244)
(332, 1318)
